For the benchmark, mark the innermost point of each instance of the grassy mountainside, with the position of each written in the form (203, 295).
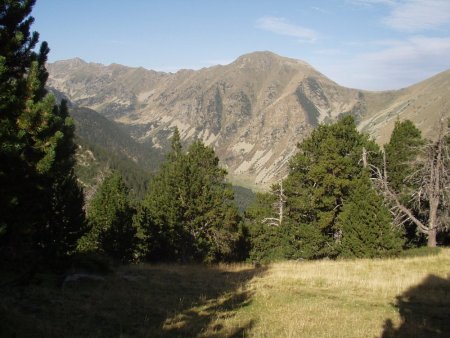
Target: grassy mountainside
(423, 103)
(407, 297)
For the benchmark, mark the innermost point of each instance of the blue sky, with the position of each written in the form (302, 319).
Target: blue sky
(366, 44)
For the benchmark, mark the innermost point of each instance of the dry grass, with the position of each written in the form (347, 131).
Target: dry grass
(351, 298)
(361, 298)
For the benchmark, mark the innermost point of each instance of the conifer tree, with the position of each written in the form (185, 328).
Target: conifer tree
(267, 242)
(366, 225)
(161, 214)
(322, 176)
(64, 218)
(36, 146)
(428, 186)
(110, 215)
(211, 218)
(401, 151)
(190, 206)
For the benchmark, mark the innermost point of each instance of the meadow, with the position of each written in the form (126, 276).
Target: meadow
(403, 297)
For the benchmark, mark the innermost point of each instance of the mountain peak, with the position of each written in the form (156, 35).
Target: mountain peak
(72, 62)
(263, 59)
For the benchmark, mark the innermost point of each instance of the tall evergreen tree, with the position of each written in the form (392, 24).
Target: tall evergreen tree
(161, 214)
(322, 176)
(211, 217)
(366, 225)
(190, 205)
(403, 148)
(36, 146)
(110, 215)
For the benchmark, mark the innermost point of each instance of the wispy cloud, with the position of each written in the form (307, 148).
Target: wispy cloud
(369, 3)
(397, 63)
(320, 10)
(282, 26)
(418, 15)
(417, 52)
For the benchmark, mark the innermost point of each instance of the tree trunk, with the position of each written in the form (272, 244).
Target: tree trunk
(432, 238)
(432, 223)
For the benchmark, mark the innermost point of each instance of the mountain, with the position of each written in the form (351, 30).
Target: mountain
(252, 111)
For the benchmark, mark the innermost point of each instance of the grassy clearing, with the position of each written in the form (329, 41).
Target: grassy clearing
(361, 298)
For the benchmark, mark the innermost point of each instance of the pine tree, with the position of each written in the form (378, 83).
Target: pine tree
(190, 205)
(267, 242)
(16, 56)
(322, 176)
(36, 146)
(365, 225)
(401, 151)
(211, 218)
(64, 218)
(161, 214)
(110, 215)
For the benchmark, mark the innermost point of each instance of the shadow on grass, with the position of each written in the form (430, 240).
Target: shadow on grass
(137, 301)
(424, 310)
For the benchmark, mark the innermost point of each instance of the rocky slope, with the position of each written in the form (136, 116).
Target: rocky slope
(252, 111)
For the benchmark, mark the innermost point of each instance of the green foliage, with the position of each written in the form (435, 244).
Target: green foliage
(401, 151)
(111, 217)
(268, 243)
(331, 208)
(40, 201)
(265, 242)
(365, 225)
(322, 176)
(191, 208)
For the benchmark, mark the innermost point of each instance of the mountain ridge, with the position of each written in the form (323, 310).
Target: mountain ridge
(252, 111)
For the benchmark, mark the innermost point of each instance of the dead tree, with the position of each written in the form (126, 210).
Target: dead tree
(278, 206)
(432, 180)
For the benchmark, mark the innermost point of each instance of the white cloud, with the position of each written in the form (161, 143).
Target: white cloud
(370, 3)
(417, 15)
(284, 27)
(320, 10)
(399, 63)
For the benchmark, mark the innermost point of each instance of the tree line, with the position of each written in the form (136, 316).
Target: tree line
(343, 196)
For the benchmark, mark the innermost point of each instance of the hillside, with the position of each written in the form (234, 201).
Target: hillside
(103, 146)
(252, 111)
(423, 103)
